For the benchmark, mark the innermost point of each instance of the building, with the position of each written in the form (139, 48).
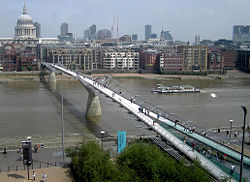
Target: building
(197, 40)
(168, 36)
(194, 58)
(65, 35)
(25, 28)
(170, 61)
(148, 59)
(16, 57)
(86, 34)
(241, 33)
(25, 33)
(64, 28)
(120, 59)
(92, 32)
(103, 34)
(162, 38)
(148, 31)
(223, 43)
(215, 59)
(71, 56)
(38, 29)
(243, 62)
(134, 37)
(153, 36)
(229, 57)
(126, 39)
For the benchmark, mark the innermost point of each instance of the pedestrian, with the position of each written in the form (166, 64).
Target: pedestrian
(190, 129)
(232, 169)
(35, 148)
(19, 149)
(44, 177)
(227, 133)
(5, 150)
(193, 129)
(153, 122)
(34, 176)
(217, 156)
(165, 114)
(184, 140)
(193, 145)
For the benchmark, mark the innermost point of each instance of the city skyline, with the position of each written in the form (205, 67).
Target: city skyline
(210, 19)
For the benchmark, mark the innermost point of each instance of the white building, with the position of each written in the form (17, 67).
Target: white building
(120, 59)
(25, 33)
(25, 27)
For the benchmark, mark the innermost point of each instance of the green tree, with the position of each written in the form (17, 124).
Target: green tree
(139, 162)
(91, 163)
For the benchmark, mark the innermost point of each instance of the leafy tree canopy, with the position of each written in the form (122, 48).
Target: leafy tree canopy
(138, 162)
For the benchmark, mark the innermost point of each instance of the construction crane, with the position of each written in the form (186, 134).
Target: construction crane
(115, 20)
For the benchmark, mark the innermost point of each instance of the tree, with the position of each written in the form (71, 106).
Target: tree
(139, 162)
(147, 162)
(91, 163)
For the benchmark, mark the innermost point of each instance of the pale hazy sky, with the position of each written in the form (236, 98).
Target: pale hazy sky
(211, 19)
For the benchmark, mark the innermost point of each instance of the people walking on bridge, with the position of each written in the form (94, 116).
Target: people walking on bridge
(5, 150)
(175, 123)
(158, 115)
(232, 169)
(154, 122)
(193, 145)
(165, 114)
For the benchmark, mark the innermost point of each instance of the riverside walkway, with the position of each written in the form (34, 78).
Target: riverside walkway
(150, 120)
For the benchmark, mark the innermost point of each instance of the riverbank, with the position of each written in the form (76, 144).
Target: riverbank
(230, 74)
(36, 75)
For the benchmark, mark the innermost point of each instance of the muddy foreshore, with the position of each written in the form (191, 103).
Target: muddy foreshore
(38, 75)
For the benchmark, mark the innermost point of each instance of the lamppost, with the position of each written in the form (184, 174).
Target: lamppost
(62, 120)
(243, 141)
(231, 126)
(102, 133)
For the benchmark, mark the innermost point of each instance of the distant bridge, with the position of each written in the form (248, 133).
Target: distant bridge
(159, 125)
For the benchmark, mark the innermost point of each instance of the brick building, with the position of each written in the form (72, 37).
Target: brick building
(194, 58)
(230, 58)
(148, 59)
(171, 61)
(15, 57)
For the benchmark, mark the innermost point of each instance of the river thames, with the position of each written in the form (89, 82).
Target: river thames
(32, 108)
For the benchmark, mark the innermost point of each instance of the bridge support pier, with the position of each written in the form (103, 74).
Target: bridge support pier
(93, 107)
(52, 77)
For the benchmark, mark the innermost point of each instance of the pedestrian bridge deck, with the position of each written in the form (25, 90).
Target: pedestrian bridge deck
(148, 120)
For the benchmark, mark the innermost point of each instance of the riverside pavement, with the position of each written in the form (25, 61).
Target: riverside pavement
(45, 157)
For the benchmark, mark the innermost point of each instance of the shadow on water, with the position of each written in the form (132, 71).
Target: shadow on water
(91, 123)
